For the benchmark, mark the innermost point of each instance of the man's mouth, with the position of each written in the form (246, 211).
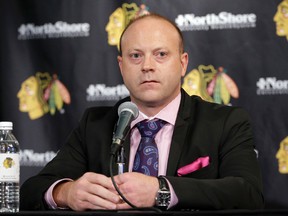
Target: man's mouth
(149, 81)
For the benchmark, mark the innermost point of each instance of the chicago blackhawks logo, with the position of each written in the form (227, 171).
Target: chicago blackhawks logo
(8, 163)
(281, 19)
(41, 94)
(282, 156)
(120, 18)
(211, 84)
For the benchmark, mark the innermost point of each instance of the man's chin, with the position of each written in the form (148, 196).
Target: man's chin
(149, 101)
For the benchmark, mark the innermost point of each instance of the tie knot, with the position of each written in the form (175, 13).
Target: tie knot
(150, 128)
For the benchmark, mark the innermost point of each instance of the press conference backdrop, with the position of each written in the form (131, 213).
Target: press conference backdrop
(58, 57)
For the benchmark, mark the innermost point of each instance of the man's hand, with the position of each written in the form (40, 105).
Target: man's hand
(138, 188)
(91, 191)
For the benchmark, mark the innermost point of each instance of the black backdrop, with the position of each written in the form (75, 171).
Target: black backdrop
(56, 60)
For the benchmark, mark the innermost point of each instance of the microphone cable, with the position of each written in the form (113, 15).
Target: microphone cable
(122, 196)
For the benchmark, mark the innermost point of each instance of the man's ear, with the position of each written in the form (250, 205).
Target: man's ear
(184, 62)
(120, 59)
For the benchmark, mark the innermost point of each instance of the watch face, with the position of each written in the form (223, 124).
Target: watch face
(163, 198)
(163, 195)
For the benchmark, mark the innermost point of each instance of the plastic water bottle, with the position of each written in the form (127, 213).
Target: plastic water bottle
(9, 169)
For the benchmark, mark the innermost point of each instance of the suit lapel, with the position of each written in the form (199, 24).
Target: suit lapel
(182, 127)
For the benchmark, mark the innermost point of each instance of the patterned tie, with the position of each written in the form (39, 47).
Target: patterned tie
(146, 158)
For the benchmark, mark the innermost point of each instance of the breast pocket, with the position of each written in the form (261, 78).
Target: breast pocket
(206, 172)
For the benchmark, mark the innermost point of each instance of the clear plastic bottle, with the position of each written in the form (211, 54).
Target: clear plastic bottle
(9, 169)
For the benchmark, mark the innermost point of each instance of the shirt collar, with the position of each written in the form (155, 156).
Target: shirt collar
(168, 113)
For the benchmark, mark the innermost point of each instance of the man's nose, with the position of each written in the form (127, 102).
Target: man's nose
(148, 64)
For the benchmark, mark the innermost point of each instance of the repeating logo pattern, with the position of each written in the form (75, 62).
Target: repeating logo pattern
(281, 19)
(41, 94)
(120, 18)
(211, 84)
(212, 21)
(282, 156)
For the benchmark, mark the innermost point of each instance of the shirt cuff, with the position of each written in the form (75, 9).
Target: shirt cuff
(174, 198)
(49, 195)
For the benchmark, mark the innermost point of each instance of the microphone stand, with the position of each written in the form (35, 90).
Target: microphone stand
(117, 150)
(120, 160)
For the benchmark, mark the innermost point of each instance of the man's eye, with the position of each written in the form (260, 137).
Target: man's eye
(162, 54)
(135, 55)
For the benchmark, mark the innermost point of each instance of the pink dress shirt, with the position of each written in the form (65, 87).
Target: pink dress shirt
(163, 140)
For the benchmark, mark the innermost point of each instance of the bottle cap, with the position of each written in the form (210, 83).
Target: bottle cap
(6, 125)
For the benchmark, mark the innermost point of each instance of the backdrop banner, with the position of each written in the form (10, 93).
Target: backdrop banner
(59, 57)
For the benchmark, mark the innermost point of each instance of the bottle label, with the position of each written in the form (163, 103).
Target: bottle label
(9, 167)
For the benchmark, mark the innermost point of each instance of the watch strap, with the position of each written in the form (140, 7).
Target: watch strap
(163, 184)
(163, 195)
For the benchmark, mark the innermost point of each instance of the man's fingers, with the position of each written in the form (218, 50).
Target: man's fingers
(123, 206)
(93, 191)
(104, 193)
(100, 179)
(100, 203)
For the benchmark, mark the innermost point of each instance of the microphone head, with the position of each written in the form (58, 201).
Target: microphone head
(130, 107)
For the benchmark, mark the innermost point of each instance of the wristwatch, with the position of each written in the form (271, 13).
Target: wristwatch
(163, 196)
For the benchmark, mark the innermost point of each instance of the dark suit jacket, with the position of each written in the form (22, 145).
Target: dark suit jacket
(231, 180)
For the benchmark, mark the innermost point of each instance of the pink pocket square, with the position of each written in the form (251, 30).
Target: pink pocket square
(195, 165)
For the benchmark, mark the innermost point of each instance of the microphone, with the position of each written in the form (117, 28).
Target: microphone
(127, 112)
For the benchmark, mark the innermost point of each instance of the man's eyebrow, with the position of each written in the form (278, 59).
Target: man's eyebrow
(134, 49)
(160, 48)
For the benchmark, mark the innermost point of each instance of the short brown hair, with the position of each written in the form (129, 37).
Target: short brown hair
(157, 16)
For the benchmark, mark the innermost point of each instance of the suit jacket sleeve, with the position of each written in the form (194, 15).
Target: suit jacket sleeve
(80, 154)
(232, 180)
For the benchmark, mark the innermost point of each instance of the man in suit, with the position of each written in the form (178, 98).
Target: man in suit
(206, 151)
